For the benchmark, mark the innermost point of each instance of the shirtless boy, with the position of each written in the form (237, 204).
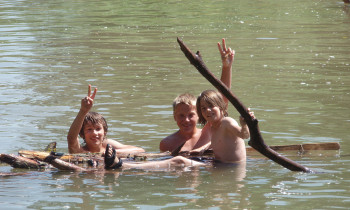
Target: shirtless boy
(189, 137)
(226, 135)
(92, 127)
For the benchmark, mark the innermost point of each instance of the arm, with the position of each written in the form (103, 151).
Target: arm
(73, 133)
(123, 148)
(232, 126)
(245, 129)
(200, 151)
(227, 57)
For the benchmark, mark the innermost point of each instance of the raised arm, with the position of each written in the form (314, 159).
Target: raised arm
(73, 133)
(227, 57)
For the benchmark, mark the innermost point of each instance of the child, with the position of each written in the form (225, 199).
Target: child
(226, 135)
(92, 127)
(189, 137)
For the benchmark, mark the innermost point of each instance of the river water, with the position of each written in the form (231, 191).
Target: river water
(291, 67)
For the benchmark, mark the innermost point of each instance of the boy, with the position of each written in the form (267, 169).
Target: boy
(92, 127)
(226, 135)
(189, 137)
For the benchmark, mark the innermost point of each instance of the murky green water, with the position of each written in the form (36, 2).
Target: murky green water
(292, 68)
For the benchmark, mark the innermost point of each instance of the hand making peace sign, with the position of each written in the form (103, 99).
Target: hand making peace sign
(227, 54)
(88, 101)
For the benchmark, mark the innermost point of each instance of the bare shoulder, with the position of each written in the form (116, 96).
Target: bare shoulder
(168, 142)
(228, 121)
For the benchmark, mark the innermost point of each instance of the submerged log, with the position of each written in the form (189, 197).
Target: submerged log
(256, 141)
(85, 157)
(306, 147)
(284, 148)
(82, 158)
(29, 159)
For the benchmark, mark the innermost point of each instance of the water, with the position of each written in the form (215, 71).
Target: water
(291, 67)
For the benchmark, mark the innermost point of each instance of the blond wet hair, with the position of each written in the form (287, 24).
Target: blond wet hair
(185, 98)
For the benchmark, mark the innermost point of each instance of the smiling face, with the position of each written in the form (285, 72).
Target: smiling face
(209, 103)
(186, 117)
(210, 112)
(94, 129)
(94, 134)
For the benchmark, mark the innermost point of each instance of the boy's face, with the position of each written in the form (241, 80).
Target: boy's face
(94, 133)
(210, 112)
(186, 117)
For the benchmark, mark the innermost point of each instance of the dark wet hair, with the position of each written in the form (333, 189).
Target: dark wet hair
(213, 98)
(94, 118)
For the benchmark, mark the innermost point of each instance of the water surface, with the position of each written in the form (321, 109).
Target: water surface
(291, 67)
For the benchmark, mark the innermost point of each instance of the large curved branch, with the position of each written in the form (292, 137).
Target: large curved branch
(256, 141)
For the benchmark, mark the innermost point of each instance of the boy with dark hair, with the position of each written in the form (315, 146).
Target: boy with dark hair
(92, 127)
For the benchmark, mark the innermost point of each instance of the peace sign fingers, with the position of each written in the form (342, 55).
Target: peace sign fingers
(93, 94)
(227, 54)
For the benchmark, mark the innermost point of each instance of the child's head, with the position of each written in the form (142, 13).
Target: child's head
(93, 118)
(185, 113)
(213, 98)
(185, 98)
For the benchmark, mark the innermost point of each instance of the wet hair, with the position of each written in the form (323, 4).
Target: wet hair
(185, 98)
(94, 118)
(213, 98)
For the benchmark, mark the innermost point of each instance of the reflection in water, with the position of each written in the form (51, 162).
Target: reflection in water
(231, 185)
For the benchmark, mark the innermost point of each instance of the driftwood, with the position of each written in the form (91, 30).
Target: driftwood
(20, 162)
(305, 147)
(256, 141)
(81, 158)
(62, 165)
(35, 159)
(71, 158)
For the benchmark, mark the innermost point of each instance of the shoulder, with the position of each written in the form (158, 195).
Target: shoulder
(170, 138)
(229, 120)
(229, 123)
(168, 142)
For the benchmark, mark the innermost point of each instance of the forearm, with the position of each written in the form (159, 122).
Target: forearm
(226, 78)
(74, 130)
(201, 149)
(245, 134)
(123, 147)
(226, 75)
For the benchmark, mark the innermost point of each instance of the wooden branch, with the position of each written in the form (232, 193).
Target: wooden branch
(256, 141)
(19, 162)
